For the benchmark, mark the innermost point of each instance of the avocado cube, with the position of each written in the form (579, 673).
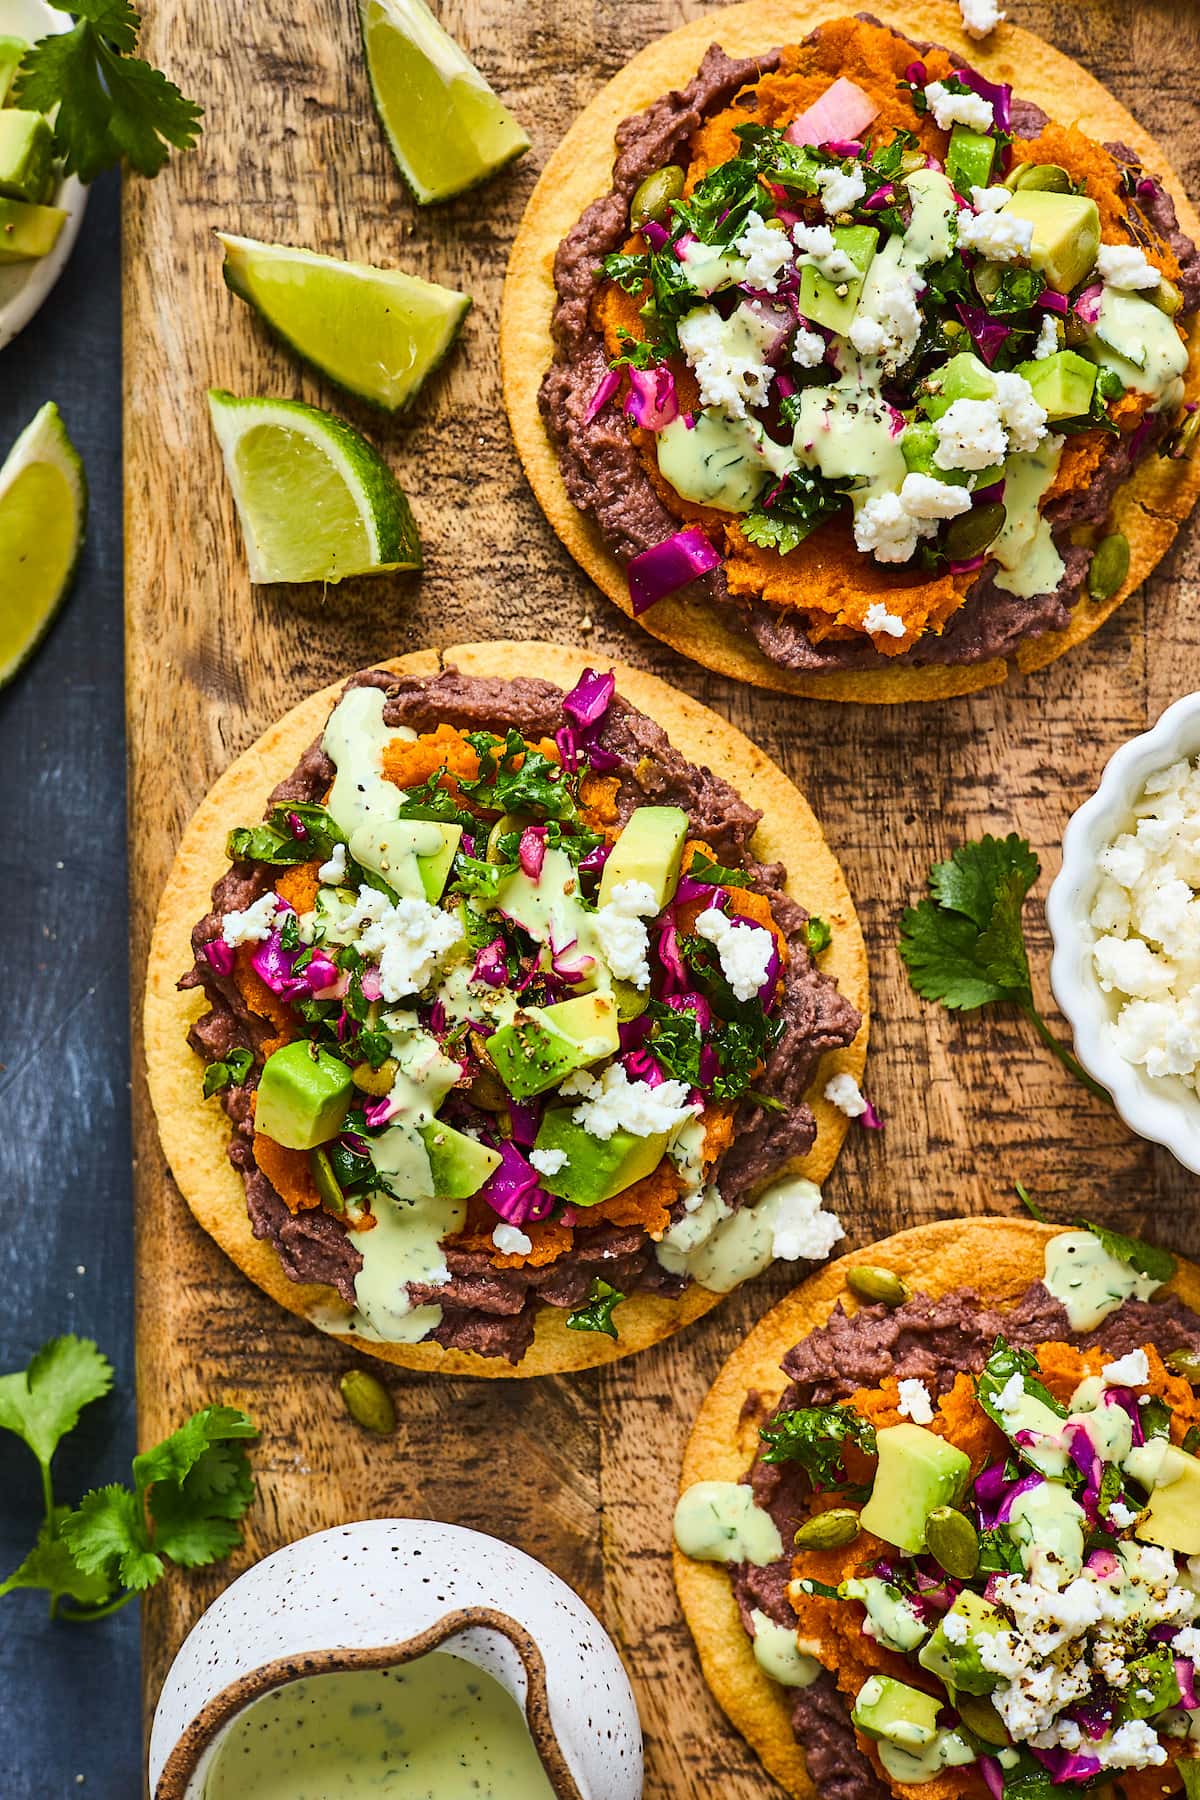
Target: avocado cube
(891, 1710)
(917, 1472)
(545, 1044)
(964, 377)
(435, 866)
(969, 159)
(959, 1664)
(596, 1168)
(27, 232)
(12, 50)
(1066, 234)
(458, 1165)
(303, 1096)
(1062, 383)
(1172, 1479)
(26, 151)
(414, 856)
(834, 303)
(917, 446)
(649, 849)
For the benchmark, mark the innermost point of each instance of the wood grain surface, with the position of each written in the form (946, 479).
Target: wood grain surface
(580, 1470)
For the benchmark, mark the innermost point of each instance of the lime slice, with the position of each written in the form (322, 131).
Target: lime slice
(447, 129)
(378, 332)
(43, 513)
(315, 501)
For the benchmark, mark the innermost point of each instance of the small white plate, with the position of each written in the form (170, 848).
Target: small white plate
(1160, 1109)
(23, 286)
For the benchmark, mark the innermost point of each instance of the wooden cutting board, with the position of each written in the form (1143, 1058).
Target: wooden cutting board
(579, 1471)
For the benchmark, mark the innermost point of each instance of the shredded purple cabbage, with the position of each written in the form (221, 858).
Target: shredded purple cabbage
(669, 566)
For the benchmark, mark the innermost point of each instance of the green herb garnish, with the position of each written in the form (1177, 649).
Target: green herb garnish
(816, 1438)
(231, 1071)
(596, 1313)
(1147, 1259)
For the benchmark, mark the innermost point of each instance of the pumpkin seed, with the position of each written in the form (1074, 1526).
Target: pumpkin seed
(912, 160)
(1166, 296)
(652, 198)
(1047, 177)
(828, 1530)
(970, 534)
(1187, 1364)
(325, 1181)
(953, 1542)
(980, 1716)
(880, 1286)
(1109, 567)
(378, 1081)
(368, 1402)
(1182, 442)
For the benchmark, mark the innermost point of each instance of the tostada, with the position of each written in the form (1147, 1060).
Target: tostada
(865, 366)
(505, 1003)
(955, 1484)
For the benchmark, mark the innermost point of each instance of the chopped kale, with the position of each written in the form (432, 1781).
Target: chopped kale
(675, 1042)
(230, 1071)
(816, 1437)
(798, 505)
(703, 868)
(513, 777)
(596, 1314)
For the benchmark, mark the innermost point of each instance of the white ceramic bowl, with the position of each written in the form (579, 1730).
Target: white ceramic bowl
(380, 1593)
(1160, 1109)
(24, 286)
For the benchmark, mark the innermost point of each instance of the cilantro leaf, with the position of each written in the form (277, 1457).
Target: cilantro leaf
(939, 950)
(801, 503)
(513, 777)
(230, 1071)
(1147, 1259)
(51, 1567)
(42, 1404)
(107, 1536)
(968, 883)
(1005, 1362)
(596, 1314)
(675, 1042)
(179, 1455)
(111, 105)
(816, 1438)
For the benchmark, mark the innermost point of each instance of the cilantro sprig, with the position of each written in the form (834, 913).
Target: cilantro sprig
(112, 106)
(1147, 1259)
(966, 946)
(187, 1496)
(816, 1437)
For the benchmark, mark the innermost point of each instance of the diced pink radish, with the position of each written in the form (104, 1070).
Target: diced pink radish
(843, 111)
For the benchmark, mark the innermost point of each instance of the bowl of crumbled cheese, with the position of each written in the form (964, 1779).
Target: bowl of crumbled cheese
(1124, 914)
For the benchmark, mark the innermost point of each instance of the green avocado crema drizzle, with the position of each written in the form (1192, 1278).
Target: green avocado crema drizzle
(489, 999)
(1045, 1600)
(834, 303)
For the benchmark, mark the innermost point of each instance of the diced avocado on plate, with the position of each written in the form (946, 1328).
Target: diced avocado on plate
(303, 1096)
(28, 232)
(414, 856)
(458, 1165)
(547, 1043)
(1062, 383)
(12, 51)
(1066, 234)
(969, 159)
(834, 303)
(895, 1713)
(917, 1472)
(959, 1664)
(649, 849)
(1172, 1479)
(918, 445)
(26, 154)
(964, 377)
(595, 1168)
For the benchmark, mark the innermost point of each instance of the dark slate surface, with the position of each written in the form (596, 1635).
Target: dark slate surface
(69, 1702)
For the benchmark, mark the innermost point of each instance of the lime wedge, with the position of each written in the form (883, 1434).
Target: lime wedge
(447, 129)
(378, 332)
(43, 513)
(315, 501)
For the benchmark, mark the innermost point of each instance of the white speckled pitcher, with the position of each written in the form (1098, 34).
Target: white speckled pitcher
(382, 1592)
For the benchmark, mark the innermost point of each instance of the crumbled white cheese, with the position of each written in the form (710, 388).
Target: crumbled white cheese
(979, 17)
(915, 1404)
(768, 252)
(880, 622)
(1125, 266)
(727, 356)
(1011, 1394)
(333, 872)
(816, 246)
(955, 1629)
(1047, 343)
(883, 527)
(614, 1103)
(925, 497)
(841, 189)
(511, 1240)
(888, 322)
(1128, 1371)
(254, 926)
(624, 942)
(548, 1162)
(1023, 417)
(844, 1092)
(867, 335)
(408, 939)
(958, 109)
(990, 230)
(745, 950)
(807, 348)
(970, 435)
(1122, 1517)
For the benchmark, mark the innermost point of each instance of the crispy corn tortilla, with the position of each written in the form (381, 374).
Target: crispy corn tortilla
(1149, 509)
(998, 1257)
(195, 1132)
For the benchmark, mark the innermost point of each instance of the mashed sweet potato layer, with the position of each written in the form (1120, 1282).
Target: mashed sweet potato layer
(827, 579)
(835, 1625)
